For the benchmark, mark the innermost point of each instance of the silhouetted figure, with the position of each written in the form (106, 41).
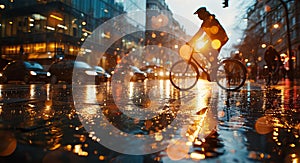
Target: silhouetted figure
(215, 36)
(271, 58)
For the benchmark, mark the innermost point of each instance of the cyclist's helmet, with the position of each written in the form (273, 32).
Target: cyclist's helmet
(200, 10)
(202, 13)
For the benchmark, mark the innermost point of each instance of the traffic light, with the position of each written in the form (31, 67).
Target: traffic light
(225, 3)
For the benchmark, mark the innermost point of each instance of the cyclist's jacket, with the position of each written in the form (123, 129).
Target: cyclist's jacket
(214, 30)
(270, 55)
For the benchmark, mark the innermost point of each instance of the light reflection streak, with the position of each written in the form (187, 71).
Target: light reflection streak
(204, 92)
(1, 88)
(197, 156)
(168, 89)
(32, 90)
(90, 95)
(48, 95)
(161, 89)
(131, 91)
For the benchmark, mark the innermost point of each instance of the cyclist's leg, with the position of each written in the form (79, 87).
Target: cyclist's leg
(213, 59)
(270, 71)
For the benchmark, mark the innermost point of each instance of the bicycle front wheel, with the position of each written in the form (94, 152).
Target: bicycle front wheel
(231, 75)
(184, 75)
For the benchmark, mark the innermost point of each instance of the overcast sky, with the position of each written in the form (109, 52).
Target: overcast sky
(230, 17)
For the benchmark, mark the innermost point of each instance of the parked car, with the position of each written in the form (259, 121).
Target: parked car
(63, 71)
(25, 71)
(102, 74)
(132, 73)
(156, 72)
(137, 74)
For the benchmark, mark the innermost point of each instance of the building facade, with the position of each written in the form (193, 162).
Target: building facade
(48, 29)
(42, 28)
(267, 25)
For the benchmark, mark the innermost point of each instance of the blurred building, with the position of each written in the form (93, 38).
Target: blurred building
(267, 26)
(48, 29)
(163, 31)
(44, 28)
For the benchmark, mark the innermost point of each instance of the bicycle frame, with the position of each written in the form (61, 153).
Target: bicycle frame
(205, 70)
(230, 74)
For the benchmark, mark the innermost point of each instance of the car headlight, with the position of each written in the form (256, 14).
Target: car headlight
(48, 74)
(92, 73)
(33, 73)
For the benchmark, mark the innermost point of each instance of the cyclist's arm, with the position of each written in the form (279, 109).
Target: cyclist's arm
(195, 37)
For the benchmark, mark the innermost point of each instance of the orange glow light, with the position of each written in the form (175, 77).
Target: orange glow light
(214, 29)
(56, 17)
(178, 150)
(185, 51)
(263, 126)
(216, 44)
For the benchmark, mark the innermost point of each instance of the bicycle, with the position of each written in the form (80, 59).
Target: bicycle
(230, 73)
(271, 75)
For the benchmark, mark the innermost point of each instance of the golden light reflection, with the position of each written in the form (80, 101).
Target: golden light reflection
(56, 146)
(185, 51)
(204, 93)
(101, 157)
(56, 17)
(200, 43)
(158, 136)
(263, 125)
(177, 150)
(216, 44)
(1, 87)
(68, 147)
(90, 95)
(168, 89)
(295, 160)
(221, 113)
(48, 94)
(8, 143)
(32, 90)
(131, 90)
(197, 156)
(78, 150)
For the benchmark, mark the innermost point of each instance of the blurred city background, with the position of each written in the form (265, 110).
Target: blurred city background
(49, 118)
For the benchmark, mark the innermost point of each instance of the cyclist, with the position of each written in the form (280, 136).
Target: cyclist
(215, 32)
(271, 58)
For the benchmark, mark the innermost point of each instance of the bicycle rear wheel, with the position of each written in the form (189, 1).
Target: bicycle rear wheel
(275, 73)
(231, 75)
(184, 75)
(275, 78)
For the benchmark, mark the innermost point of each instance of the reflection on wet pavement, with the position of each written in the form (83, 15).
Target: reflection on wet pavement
(40, 123)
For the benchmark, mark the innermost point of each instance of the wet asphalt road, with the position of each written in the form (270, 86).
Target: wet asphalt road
(40, 123)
